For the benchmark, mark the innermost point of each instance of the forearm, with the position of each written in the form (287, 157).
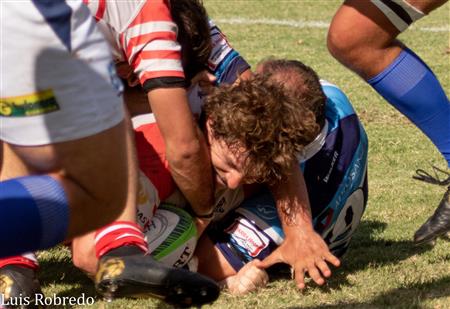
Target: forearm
(186, 148)
(303, 249)
(292, 201)
(192, 173)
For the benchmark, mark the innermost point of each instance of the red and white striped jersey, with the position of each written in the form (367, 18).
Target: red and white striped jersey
(142, 33)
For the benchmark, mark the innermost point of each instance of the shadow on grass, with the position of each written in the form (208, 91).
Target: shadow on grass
(365, 250)
(410, 296)
(55, 271)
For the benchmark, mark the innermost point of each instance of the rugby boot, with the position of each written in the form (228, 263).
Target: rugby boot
(437, 224)
(19, 287)
(127, 272)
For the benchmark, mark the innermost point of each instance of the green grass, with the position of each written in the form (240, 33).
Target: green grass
(382, 269)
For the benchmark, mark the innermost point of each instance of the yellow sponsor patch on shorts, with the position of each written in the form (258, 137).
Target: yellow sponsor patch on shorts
(38, 103)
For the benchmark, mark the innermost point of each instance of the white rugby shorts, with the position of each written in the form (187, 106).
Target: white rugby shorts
(57, 80)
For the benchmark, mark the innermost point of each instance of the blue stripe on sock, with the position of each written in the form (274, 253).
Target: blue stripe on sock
(412, 88)
(51, 201)
(34, 214)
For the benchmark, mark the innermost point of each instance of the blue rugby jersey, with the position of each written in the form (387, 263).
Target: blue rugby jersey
(339, 167)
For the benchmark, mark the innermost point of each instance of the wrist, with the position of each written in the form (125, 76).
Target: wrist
(205, 216)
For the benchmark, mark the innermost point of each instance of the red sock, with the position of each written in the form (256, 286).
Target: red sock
(25, 260)
(118, 234)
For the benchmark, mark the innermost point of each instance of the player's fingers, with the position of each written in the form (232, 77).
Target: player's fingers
(315, 275)
(246, 284)
(332, 259)
(299, 276)
(323, 267)
(274, 258)
(253, 273)
(203, 78)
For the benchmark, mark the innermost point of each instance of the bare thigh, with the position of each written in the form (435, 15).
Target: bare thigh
(92, 171)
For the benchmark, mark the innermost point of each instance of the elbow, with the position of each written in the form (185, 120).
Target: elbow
(182, 152)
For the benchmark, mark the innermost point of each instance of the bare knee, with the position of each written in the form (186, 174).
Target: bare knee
(362, 38)
(344, 46)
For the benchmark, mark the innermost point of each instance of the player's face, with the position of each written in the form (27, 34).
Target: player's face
(228, 165)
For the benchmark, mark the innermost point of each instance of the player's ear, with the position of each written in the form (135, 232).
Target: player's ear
(208, 130)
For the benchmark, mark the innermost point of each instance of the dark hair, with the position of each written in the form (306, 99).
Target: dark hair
(193, 34)
(258, 115)
(300, 81)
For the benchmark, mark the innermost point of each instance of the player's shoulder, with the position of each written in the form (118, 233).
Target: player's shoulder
(120, 14)
(338, 103)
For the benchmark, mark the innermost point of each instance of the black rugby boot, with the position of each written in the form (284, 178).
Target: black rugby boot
(19, 287)
(127, 272)
(437, 224)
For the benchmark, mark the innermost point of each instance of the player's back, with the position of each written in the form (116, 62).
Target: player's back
(337, 169)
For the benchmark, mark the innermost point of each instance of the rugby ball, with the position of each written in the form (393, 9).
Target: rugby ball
(172, 236)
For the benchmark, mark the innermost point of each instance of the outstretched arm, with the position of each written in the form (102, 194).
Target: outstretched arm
(303, 249)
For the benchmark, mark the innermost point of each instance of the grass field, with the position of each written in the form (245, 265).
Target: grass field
(382, 269)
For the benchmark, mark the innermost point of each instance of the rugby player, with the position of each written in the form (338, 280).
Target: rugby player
(363, 37)
(336, 213)
(142, 34)
(334, 165)
(230, 66)
(246, 226)
(292, 197)
(57, 75)
(143, 37)
(190, 288)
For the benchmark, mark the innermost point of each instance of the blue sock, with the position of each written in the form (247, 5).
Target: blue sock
(412, 88)
(34, 214)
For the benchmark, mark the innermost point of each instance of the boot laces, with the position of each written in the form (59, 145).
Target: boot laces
(437, 179)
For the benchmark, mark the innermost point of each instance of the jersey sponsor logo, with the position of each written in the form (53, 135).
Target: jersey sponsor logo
(39, 103)
(247, 237)
(219, 208)
(266, 212)
(184, 258)
(327, 177)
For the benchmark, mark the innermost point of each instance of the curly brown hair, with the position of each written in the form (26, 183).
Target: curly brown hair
(300, 81)
(258, 115)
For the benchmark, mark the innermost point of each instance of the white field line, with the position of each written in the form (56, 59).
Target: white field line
(306, 23)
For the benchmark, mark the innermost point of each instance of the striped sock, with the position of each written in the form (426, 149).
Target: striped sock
(118, 234)
(27, 260)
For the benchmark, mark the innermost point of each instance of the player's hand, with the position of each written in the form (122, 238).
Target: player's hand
(305, 251)
(248, 279)
(205, 81)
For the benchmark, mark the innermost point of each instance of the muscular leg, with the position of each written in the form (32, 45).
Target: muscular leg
(83, 247)
(88, 169)
(363, 39)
